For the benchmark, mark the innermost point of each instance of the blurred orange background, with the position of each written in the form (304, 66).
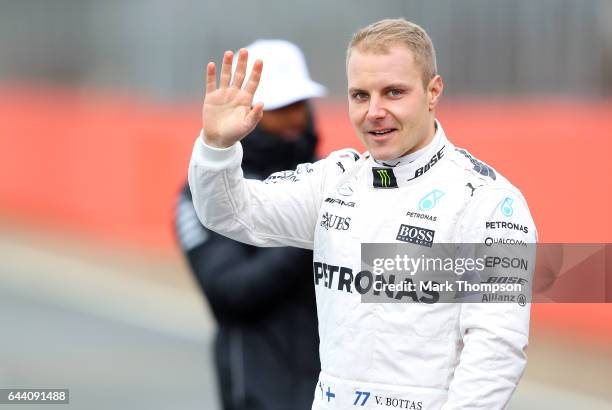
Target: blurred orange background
(110, 168)
(99, 109)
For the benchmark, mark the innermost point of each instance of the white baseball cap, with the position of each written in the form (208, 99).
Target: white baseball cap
(285, 77)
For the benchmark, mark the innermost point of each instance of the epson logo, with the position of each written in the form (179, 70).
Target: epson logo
(416, 235)
(506, 262)
(340, 202)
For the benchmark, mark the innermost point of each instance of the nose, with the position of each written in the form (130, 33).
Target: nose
(376, 111)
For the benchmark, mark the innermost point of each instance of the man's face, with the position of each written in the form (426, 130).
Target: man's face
(288, 122)
(390, 109)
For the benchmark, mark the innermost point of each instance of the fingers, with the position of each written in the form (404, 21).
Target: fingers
(254, 78)
(255, 115)
(211, 78)
(226, 69)
(241, 66)
(239, 75)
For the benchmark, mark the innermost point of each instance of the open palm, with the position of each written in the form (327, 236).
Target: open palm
(228, 114)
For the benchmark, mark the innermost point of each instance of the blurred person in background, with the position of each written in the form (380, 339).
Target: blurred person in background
(413, 186)
(263, 298)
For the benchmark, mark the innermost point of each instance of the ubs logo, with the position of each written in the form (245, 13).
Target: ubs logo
(331, 221)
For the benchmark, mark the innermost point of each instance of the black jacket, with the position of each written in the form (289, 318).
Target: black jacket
(263, 298)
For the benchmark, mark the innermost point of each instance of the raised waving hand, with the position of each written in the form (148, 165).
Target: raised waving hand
(228, 114)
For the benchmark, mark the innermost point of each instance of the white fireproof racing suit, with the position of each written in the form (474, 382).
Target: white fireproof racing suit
(378, 355)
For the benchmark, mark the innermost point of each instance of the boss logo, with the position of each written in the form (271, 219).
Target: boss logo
(416, 235)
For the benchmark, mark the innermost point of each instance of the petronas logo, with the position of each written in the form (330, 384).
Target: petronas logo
(384, 178)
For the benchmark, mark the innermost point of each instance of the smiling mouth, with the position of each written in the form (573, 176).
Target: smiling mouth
(380, 133)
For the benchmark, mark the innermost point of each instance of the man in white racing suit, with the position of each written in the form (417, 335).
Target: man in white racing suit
(412, 186)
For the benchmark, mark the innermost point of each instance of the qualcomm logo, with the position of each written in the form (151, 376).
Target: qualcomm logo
(506, 206)
(430, 200)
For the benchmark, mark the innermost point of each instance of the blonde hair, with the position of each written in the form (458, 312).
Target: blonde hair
(379, 36)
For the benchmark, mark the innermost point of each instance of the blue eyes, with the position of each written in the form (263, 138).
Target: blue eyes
(361, 96)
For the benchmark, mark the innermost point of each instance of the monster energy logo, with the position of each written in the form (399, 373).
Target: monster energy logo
(384, 178)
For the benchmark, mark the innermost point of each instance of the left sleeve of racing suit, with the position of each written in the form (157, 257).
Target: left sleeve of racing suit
(280, 211)
(250, 211)
(494, 335)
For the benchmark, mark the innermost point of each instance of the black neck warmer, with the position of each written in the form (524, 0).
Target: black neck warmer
(266, 153)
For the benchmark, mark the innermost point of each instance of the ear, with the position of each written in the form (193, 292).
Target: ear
(434, 91)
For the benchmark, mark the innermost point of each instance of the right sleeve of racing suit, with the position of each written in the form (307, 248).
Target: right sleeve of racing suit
(281, 211)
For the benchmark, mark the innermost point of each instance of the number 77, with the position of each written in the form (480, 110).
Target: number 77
(366, 396)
